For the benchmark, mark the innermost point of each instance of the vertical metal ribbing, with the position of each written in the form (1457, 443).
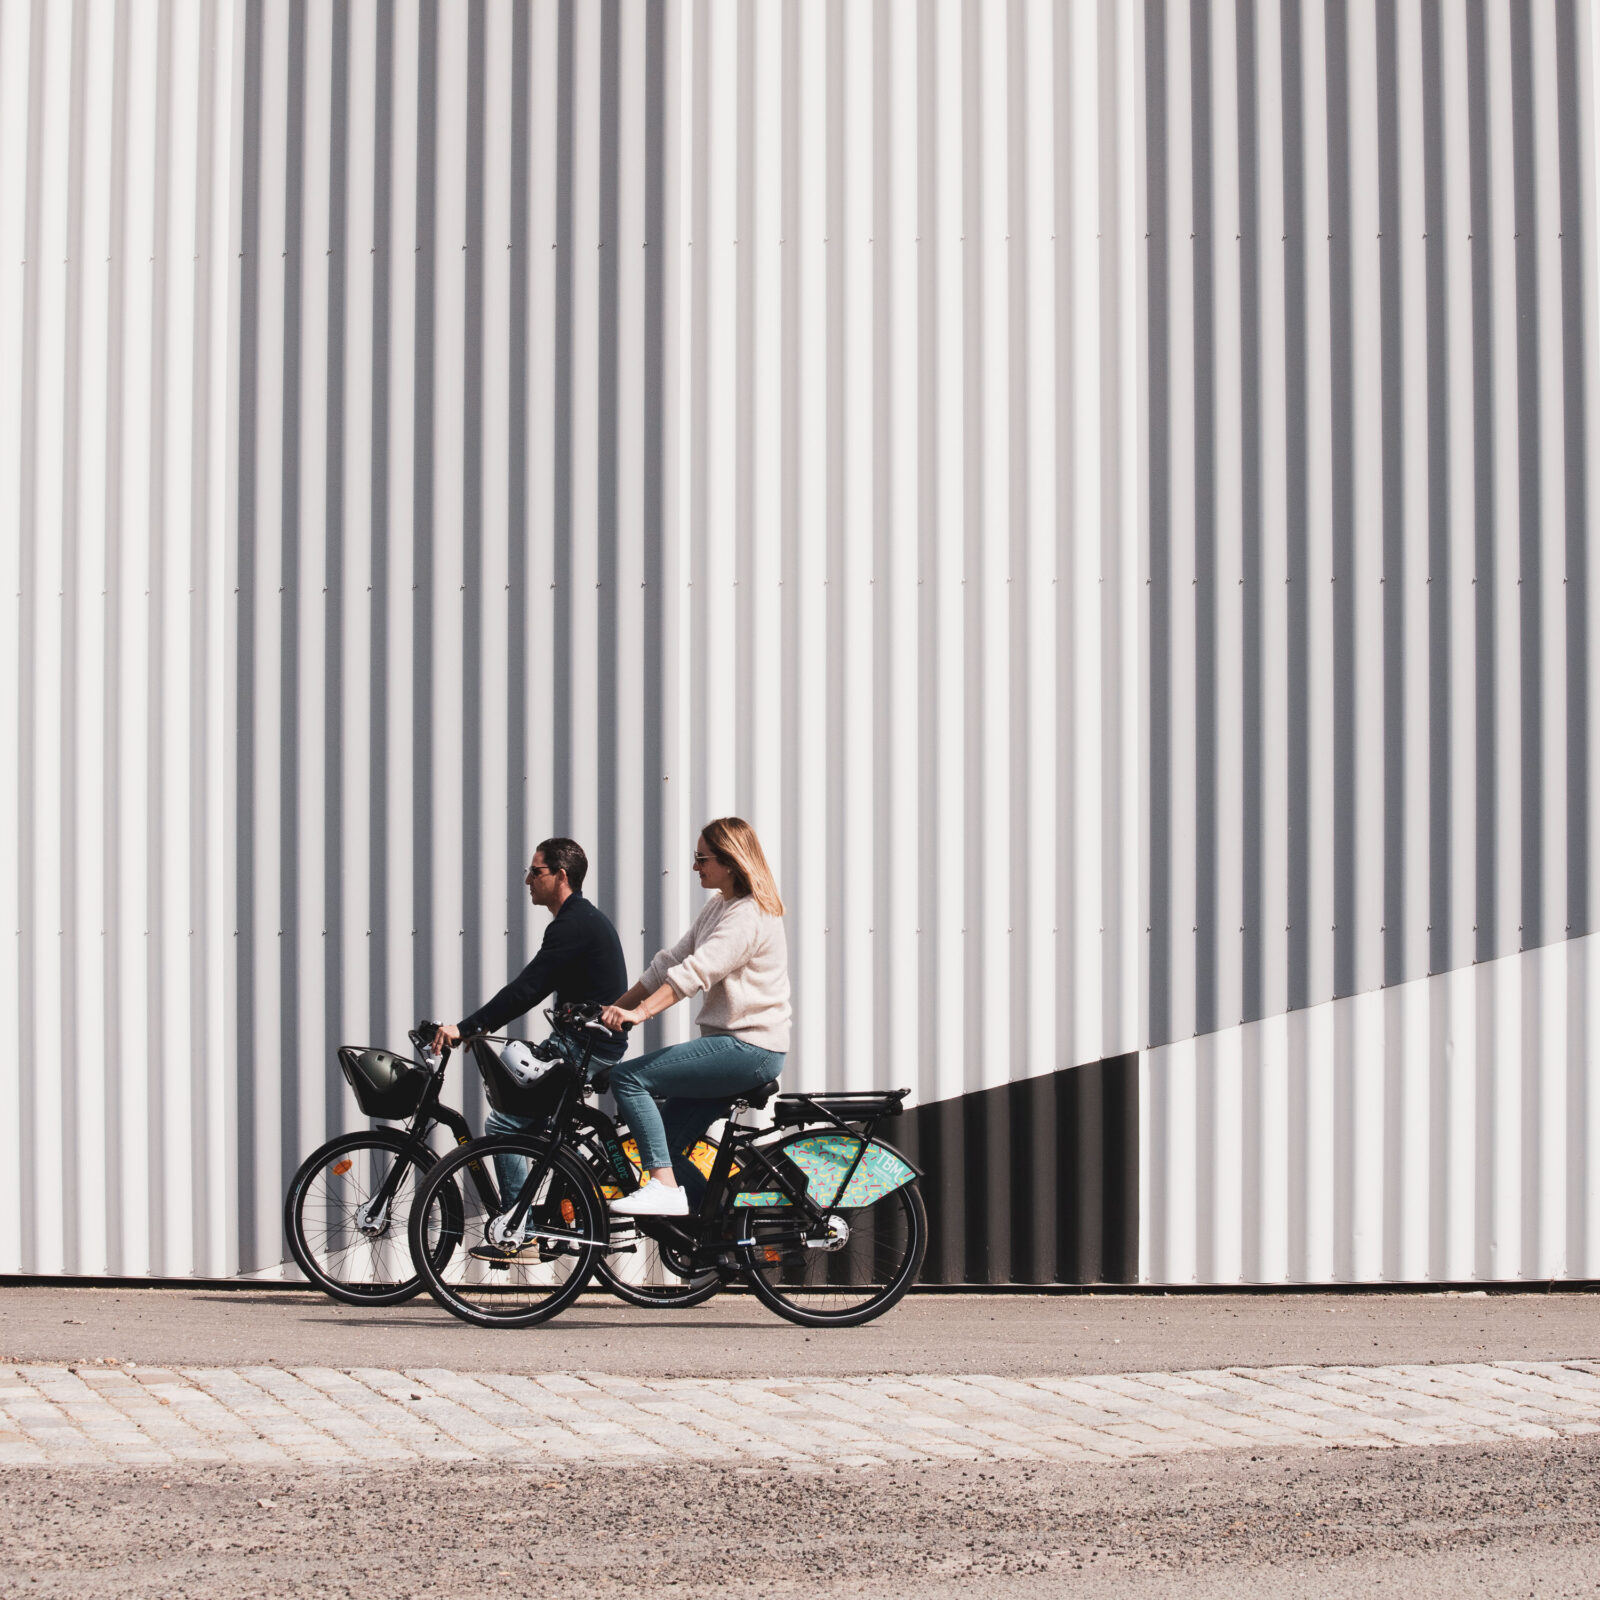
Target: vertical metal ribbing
(742, 464)
(71, 558)
(245, 630)
(29, 927)
(1443, 1092)
(1012, 1225)
(519, 656)
(1441, 688)
(561, 710)
(379, 901)
(115, 964)
(930, 902)
(1158, 532)
(1341, 356)
(1529, 497)
(832, 533)
(607, 359)
(887, 397)
(287, 733)
(423, 598)
(1396, 450)
(976, 957)
(474, 979)
(653, 690)
(207, 937)
(333, 610)
(1577, 318)
(1252, 574)
(1297, 931)
(1486, 645)
(1207, 929)
(159, 951)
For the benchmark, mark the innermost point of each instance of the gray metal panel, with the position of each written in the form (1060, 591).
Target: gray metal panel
(1371, 295)
(1372, 310)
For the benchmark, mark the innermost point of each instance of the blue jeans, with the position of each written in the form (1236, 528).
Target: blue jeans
(510, 1171)
(699, 1082)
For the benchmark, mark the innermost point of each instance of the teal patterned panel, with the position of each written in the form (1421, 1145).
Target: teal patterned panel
(825, 1158)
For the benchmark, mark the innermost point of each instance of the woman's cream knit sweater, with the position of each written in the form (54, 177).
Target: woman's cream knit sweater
(736, 954)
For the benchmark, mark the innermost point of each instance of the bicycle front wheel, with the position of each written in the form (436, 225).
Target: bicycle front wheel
(870, 1256)
(460, 1211)
(347, 1215)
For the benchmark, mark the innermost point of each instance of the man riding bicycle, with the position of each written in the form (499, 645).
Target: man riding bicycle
(579, 960)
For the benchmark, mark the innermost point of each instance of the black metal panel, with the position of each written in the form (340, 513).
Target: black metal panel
(1032, 1182)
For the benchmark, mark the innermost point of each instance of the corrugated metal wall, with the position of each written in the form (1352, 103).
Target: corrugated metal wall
(1102, 485)
(1371, 328)
(1445, 1129)
(655, 411)
(115, 1096)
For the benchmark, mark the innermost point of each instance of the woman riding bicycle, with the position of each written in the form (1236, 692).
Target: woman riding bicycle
(736, 955)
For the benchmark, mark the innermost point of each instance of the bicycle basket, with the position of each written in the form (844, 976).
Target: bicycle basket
(508, 1094)
(386, 1086)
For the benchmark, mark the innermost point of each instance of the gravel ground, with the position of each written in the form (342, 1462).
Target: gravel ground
(1519, 1519)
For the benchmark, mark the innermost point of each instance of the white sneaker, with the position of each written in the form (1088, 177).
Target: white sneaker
(653, 1200)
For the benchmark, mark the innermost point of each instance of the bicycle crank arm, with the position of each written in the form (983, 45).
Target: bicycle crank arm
(563, 1238)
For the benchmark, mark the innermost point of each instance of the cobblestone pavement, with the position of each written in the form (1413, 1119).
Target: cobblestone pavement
(124, 1415)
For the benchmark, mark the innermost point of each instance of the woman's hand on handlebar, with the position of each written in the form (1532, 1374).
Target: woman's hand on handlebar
(447, 1037)
(618, 1017)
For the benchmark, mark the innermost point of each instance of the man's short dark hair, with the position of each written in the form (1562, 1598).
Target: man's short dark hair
(565, 855)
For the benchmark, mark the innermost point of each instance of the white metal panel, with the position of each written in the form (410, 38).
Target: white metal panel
(113, 323)
(1466, 1049)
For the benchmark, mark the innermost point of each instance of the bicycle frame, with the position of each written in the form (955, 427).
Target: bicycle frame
(703, 1235)
(430, 1111)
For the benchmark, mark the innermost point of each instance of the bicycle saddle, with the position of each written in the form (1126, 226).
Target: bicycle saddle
(757, 1098)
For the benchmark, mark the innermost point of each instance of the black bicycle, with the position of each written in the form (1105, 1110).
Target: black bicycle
(348, 1207)
(824, 1221)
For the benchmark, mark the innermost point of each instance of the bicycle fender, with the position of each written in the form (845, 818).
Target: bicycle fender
(825, 1159)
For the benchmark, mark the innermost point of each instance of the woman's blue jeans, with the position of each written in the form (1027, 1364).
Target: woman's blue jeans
(699, 1082)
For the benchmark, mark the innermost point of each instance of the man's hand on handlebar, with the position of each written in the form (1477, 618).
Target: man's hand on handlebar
(447, 1037)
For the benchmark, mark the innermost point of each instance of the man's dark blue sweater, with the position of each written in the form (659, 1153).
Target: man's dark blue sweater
(579, 960)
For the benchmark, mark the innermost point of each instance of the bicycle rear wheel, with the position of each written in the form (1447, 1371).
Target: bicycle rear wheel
(565, 1226)
(350, 1249)
(875, 1256)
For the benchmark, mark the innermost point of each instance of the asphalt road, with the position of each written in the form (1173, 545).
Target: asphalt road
(734, 1336)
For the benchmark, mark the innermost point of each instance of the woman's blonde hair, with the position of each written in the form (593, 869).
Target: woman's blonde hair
(733, 842)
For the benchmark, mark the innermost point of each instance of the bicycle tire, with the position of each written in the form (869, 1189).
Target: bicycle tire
(374, 1270)
(509, 1297)
(814, 1288)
